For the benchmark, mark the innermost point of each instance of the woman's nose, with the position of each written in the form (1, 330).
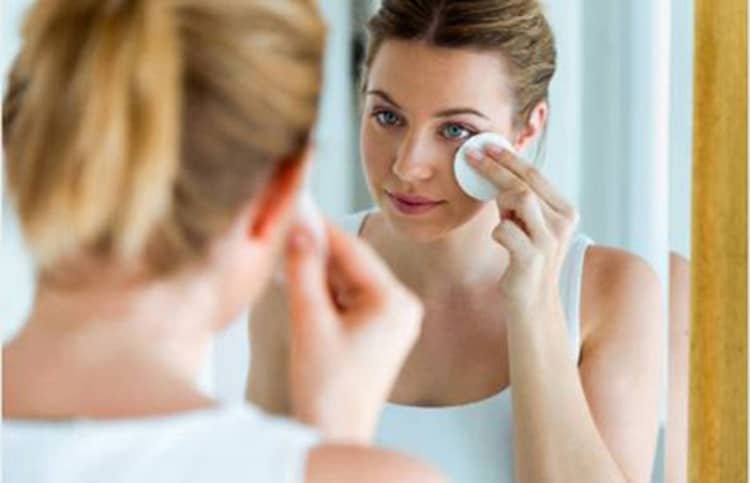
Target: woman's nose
(415, 161)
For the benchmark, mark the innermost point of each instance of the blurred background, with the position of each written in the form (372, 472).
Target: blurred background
(619, 141)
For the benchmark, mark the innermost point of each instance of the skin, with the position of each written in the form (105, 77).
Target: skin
(486, 275)
(679, 363)
(125, 347)
(338, 381)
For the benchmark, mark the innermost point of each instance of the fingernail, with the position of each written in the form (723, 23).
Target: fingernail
(475, 156)
(494, 150)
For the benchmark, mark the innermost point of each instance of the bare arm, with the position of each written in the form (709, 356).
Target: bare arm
(621, 367)
(679, 361)
(597, 422)
(338, 463)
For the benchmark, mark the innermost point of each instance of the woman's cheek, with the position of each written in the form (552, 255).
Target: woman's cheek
(376, 155)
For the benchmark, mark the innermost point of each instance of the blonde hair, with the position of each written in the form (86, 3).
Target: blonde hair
(138, 128)
(516, 29)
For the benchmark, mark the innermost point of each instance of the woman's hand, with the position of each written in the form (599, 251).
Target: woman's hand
(353, 324)
(536, 227)
(578, 401)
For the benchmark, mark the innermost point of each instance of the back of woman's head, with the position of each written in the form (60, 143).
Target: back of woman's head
(139, 128)
(516, 29)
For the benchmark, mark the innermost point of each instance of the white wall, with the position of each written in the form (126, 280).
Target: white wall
(563, 150)
(335, 163)
(681, 127)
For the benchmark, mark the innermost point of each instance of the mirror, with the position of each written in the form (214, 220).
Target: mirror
(618, 146)
(615, 141)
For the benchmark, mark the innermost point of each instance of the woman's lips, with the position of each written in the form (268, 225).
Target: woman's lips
(412, 204)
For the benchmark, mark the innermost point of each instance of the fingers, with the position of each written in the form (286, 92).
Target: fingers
(352, 277)
(496, 173)
(357, 267)
(512, 237)
(312, 311)
(509, 170)
(527, 207)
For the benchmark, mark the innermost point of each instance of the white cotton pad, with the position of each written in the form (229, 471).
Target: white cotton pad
(309, 215)
(470, 181)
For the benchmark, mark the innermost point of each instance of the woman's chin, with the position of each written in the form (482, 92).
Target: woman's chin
(420, 230)
(430, 227)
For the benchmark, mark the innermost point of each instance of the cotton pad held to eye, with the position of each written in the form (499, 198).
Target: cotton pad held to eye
(470, 181)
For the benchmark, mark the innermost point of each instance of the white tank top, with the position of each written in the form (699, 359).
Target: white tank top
(473, 442)
(236, 443)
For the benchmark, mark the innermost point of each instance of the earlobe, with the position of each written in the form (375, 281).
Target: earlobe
(275, 201)
(534, 126)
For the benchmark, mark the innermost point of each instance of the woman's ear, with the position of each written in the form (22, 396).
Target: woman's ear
(276, 201)
(534, 126)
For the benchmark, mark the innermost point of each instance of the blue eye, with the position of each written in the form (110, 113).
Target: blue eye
(387, 118)
(454, 131)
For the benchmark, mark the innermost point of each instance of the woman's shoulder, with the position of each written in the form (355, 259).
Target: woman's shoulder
(618, 288)
(615, 265)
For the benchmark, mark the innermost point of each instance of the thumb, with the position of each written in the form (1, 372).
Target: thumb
(312, 310)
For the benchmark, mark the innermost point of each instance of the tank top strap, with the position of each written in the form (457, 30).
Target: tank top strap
(571, 282)
(353, 222)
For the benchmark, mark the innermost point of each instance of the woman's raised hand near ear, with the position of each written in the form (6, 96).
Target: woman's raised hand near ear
(352, 326)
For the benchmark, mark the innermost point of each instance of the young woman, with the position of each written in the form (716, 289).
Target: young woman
(155, 151)
(540, 355)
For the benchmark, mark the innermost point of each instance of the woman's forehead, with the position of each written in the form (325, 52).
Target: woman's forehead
(415, 73)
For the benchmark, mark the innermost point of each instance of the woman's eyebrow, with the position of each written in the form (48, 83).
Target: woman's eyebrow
(384, 96)
(460, 110)
(444, 113)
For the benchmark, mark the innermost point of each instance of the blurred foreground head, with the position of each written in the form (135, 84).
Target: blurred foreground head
(137, 131)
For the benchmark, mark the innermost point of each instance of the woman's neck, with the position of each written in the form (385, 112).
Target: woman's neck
(465, 257)
(110, 351)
